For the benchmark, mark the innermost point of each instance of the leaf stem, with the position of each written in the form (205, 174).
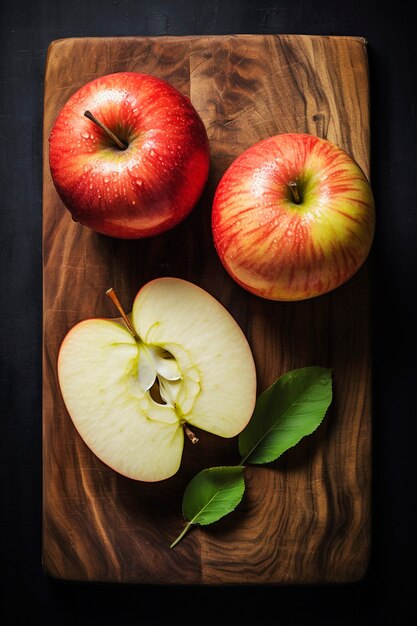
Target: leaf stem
(181, 535)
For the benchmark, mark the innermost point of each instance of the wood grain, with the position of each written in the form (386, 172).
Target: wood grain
(306, 517)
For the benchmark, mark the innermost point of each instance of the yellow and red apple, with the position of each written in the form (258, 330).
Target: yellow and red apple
(129, 155)
(293, 217)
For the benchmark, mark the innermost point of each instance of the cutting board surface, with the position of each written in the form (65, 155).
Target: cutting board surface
(306, 517)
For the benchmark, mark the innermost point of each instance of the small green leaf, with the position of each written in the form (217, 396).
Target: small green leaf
(293, 407)
(213, 493)
(210, 495)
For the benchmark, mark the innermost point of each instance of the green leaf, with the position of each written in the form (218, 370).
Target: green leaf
(293, 407)
(213, 493)
(210, 495)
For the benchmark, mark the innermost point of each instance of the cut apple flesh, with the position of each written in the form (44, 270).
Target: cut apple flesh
(189, 346)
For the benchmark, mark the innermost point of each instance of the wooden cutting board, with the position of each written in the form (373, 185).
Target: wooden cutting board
(306, 517)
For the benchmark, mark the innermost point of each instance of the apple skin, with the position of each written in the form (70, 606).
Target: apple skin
(153, 184)
(282, 250)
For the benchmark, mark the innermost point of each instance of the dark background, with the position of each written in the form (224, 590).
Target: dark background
(386, 595)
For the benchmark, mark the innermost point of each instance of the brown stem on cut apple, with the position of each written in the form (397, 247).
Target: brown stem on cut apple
(191, 436)
(112, 295)
(120, 144)
(294, 190)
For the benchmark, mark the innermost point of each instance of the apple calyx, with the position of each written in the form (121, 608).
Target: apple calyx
(191, 436)
(120, 144)
(295, 192)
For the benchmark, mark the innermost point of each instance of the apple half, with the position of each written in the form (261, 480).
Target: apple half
(130, 396)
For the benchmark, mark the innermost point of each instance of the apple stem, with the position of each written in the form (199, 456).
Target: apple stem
(120, 144)
(294, 190)
(191, 436)
(112, 295)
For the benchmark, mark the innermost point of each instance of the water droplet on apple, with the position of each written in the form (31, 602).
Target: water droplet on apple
(107, 180)
(85, 135)
(139, 183)
(152, 153)
(87, 167)
(133, 202)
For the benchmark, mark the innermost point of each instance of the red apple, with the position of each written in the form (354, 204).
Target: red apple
(147, 177)
(293, 217)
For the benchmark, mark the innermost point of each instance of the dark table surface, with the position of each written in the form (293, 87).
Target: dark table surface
(386, 594)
